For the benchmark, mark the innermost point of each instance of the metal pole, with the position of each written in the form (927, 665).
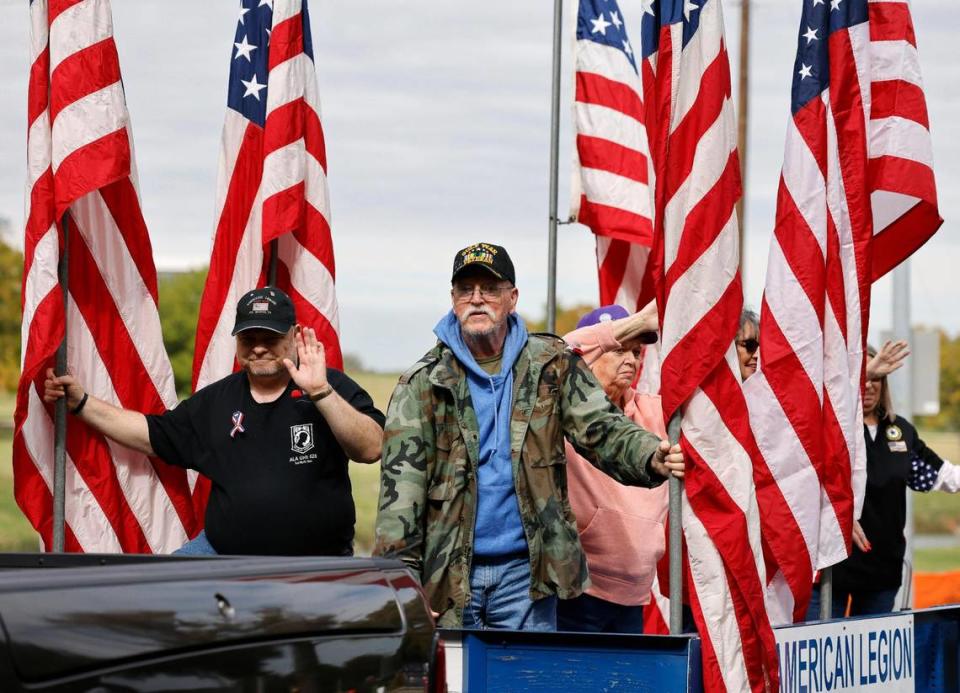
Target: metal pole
(901, 381)
(272, 268)
(826, 593)
(743, 112)
(676, 537)
(554, 169)
(60, 409)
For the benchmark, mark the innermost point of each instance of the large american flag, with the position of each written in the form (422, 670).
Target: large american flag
(610, 188)
(695, 263)
(80, 162)
(272, 185)
(856, 197)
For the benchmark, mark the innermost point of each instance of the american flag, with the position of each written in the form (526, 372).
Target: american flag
(611, 194)
(695, 263)
(80, 162)
(272, 185)
(856, 197)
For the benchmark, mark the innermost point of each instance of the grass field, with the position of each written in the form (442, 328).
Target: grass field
(934, 513)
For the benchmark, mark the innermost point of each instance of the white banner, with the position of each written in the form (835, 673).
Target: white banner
(873, 654)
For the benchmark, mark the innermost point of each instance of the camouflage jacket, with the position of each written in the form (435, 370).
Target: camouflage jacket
(428, 487)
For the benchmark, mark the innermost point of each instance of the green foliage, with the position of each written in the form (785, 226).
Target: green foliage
(936, 560)
(352, 363)
(566, 319)
(180, 294)
(11, 271)
(949, 417)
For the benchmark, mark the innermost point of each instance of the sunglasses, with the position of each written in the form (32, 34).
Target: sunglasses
(750, 345)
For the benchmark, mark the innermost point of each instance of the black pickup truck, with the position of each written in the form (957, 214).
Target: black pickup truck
(151, 623)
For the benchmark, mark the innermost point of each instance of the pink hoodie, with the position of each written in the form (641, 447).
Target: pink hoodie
(621, 527)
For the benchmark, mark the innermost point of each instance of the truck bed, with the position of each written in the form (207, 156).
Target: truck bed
(75, 622)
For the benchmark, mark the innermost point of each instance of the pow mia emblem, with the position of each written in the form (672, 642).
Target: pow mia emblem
(894, 433)
(301, 438)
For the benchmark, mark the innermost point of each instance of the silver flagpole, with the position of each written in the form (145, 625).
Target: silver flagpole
(554, 169)
(60, 409)
(826, 593)
(676, 537)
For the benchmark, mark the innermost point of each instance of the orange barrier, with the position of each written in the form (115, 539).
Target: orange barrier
(935, 589)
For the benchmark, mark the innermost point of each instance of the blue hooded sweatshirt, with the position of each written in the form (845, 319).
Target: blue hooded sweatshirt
(498, 530)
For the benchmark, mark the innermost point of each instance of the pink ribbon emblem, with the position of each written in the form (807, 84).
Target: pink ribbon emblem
(237, 421)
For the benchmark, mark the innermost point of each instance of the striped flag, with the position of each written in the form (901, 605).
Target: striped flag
(80, 162)
(695, 263)
(610, 181)
(272, 185)
(856, 197)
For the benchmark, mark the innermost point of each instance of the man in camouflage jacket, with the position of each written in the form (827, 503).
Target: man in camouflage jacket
(432, 481)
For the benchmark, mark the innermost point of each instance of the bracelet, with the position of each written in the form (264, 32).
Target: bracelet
(77, 409)
(322, 394)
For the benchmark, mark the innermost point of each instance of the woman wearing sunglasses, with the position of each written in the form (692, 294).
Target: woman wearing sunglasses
(748, 343)
(897, 461)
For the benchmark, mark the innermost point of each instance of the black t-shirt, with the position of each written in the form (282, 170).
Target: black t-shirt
(279, 485)
(884, 507)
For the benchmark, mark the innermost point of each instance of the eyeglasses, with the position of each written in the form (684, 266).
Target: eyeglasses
(488, 292)
(749, 345)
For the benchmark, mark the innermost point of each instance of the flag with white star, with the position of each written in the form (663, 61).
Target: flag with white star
(856, 197)
(610, 192)
(272, 185)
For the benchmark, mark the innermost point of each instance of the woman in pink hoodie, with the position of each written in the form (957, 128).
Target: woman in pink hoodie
(621, 527)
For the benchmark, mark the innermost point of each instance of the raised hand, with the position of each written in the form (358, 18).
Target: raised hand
(310, 374)
(890, 357)
(632, 326)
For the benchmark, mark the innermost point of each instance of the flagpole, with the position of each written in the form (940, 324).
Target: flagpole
(826, 593)
(676, 536)
(742, 118)
(554, 169)
(272, 267)
(60, 408)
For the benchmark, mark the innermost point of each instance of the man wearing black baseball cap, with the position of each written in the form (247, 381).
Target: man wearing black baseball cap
(473, 494)
(274, 438)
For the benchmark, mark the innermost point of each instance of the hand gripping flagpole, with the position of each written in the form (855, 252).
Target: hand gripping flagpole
(676, 536)
(60, 408)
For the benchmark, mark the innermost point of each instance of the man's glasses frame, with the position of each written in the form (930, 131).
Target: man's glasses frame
(488, 292)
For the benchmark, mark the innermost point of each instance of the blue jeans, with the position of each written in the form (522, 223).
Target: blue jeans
(198, 546)
(589, 614)
(500, 597)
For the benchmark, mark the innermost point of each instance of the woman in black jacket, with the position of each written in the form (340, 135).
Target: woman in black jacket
(896, 460)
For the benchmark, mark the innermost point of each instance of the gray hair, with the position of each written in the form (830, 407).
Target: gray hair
(748, 316)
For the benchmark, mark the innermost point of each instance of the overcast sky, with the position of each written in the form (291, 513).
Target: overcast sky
(437, 124)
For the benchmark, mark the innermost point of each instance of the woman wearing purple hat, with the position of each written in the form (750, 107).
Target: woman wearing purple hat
(621, 527)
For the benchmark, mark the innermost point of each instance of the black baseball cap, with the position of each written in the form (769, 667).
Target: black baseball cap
(493, 258)
(268, 309)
